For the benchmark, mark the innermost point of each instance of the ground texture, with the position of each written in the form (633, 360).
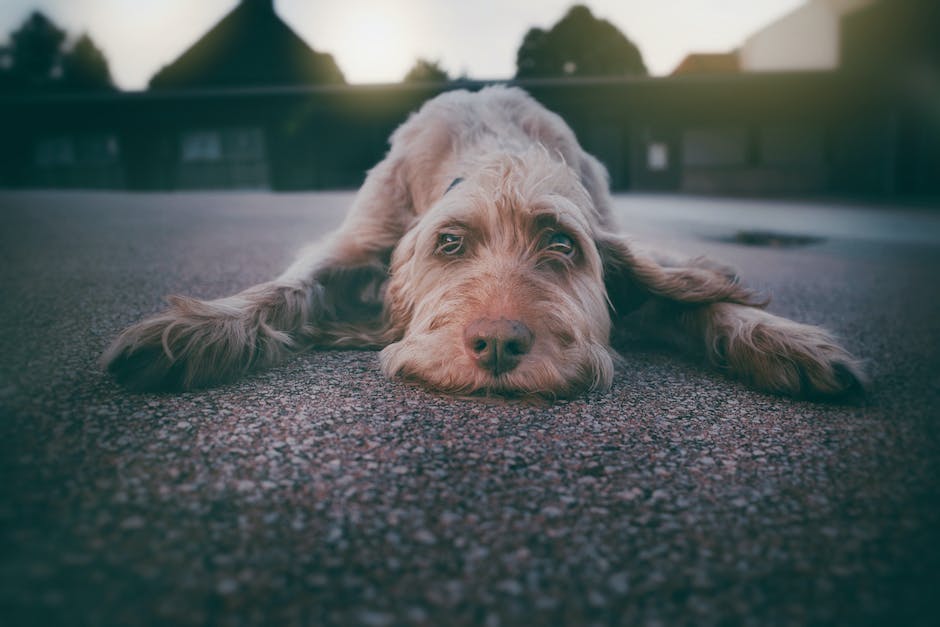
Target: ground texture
(319, 493)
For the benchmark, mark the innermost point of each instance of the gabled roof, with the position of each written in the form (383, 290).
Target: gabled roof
(708, 63)
(249, 46)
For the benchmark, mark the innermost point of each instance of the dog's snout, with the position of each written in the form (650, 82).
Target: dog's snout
(498, 345)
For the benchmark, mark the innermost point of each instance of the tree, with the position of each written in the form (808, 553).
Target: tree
(85, 67)
(37, 60)
(36, 51)
(6, 69)
(424, 71)
(578, 45)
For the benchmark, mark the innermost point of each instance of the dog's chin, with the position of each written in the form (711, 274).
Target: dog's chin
(575, 371)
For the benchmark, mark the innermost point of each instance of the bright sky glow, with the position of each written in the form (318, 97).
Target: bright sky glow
(379, 40)
(371, 43)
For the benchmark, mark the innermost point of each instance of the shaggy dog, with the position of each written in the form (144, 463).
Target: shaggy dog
(481, 256)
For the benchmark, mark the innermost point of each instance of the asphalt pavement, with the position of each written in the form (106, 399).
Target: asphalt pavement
(320, 493)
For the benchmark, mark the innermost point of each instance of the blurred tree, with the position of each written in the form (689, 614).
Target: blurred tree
(36, 52)
(424, 71)
(6, 68)
(36, 59)
(85, 67)
(578, 45)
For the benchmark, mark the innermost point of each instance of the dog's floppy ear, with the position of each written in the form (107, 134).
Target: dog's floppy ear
(632, 277)
(399, 292)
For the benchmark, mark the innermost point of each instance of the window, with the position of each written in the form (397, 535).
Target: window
(230, 144)
(230, 157)
(54, 151)
(715, 147)
(243, 144)
(657, 156)
(795, 145)
(101, 149)
(201, 146)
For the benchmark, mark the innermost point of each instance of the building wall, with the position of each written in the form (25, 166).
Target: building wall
(806, 39)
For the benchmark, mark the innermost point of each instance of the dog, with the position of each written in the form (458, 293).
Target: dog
(481, 256)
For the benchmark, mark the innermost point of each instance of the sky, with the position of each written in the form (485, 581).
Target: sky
(377, 41)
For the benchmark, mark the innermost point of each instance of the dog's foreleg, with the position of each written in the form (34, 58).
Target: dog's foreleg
(700, 305)
(773, 353)
(331, 296)
(768, 352)
(328, 298)
(197, 343)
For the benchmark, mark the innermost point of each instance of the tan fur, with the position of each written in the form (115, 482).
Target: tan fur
(382, 280)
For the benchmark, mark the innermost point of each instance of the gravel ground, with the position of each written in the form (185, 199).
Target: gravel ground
(319, 493)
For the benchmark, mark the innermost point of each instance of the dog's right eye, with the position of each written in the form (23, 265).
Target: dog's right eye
(449, 244)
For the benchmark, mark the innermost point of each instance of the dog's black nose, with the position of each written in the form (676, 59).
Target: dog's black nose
(497, 345)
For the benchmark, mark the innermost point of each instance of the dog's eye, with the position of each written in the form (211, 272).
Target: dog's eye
(449, 244)
(560, 243)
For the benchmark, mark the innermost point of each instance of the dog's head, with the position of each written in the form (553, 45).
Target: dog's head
(499, 286)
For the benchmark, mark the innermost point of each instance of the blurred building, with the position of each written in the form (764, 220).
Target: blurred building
(893, 36)
(878, 67)
(806, 39)
(218, 118)
(703, 63)
(250, 46)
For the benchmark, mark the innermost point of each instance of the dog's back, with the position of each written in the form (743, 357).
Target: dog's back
(452, 133)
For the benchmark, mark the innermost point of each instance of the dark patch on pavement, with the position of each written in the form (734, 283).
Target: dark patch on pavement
(772, 239)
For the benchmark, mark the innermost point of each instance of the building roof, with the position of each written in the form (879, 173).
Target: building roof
(708, 63)
(249, 46)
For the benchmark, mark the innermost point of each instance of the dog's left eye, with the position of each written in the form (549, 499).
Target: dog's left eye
(449, 244)
(560, 243)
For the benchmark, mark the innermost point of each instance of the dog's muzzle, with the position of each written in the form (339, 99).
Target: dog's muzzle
(497, 346)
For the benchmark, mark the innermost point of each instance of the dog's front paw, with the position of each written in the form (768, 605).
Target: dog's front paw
(161, 354)
(815, 369)
(183, 348)
(786, 357)
(139, 362)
